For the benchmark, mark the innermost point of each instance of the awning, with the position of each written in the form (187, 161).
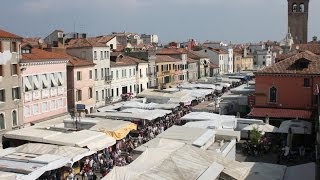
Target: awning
(280, 113)
(114, 128)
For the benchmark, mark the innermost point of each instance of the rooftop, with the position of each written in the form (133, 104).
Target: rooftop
(85, 42)
(5, 34)
(166, 58)
(302, 63)
(122, 60)
(40, 55)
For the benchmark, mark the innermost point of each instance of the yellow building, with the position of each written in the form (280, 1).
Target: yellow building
(166, 68)
(241, 63)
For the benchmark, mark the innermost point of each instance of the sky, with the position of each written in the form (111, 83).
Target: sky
(172, 20)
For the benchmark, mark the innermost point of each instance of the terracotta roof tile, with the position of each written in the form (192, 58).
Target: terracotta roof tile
(166, 58)
(170, 51)
(280, 113)
(315, 48)
(5, 34)
(189, 60)
(85, 42)
(217, 50)
(291, 65)
(34, 42)
(41, 55)
(122, 60)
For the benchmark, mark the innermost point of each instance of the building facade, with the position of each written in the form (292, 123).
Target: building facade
(298, 20)
(287, 89)
(167, 72)
(44, 90)
(129, 75)
(10, 86)
(98, 53)
(80, 84)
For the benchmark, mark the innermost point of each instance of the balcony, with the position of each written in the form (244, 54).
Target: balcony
(53, 92)
(28, 96)
(60, 90)
(45, 93)
(149, 74)
(108, 79)
(36, 95)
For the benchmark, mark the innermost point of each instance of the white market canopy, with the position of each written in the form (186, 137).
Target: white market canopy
(186, 135)
(132, 114)
(27, 166)
(296, 126)
(85, 138)
(261, 127)
(178, 161)
(74, 154)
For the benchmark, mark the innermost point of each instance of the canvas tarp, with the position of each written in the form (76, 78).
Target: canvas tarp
(73, 153)
(114, 128)
(84, 138)
(183, 162)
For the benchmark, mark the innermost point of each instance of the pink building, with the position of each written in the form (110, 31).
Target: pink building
(44, 85)
(81, 84)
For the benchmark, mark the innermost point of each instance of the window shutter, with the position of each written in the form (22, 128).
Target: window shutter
(13, 93)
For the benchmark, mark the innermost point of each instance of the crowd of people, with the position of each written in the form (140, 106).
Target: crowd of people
(121, 154)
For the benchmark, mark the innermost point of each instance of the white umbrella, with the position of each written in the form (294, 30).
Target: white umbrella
(296, 126)
(261, 127)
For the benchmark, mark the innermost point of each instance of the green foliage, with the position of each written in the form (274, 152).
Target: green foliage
(128, 50)
(255, 136)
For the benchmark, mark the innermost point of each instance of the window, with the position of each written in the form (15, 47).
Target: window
(130, 73)
(1, 50)
(78, 95)
(102, 73)
(101, 54)
(97, 95)
(301, 7)
(15, 93)
(90, 92)
(117, 91)
(134, 72)
(35, 109)
(102, 94)
(14, 47)
(78, 75)
(90, 74)
(60, 103)
(26, 111)
(108, 54)
(112, 92)
(117, 74)
(14, 69)
(140, 73)
(95, 55)
(2, 125)
(96, 74)
(273, 95)
(14, 118)
(294, 7)
(2, 95)
(105, 54)
(111, 46)
(44, 106)
(306, 82)
(112, 74)
(1, 70)
(52, 105)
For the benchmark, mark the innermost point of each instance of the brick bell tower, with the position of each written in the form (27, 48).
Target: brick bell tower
(298, 20)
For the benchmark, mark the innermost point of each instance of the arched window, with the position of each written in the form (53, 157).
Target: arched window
(301, 7)
(294, 7)
(2, 126)
(273, 95)
(14, 118)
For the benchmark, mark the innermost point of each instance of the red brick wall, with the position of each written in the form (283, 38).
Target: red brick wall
(290, 92)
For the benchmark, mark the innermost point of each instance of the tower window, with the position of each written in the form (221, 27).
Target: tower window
(294, 7)
(273, 95)
(301, 7)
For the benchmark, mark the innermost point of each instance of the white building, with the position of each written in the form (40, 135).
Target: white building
(98, 53)
(219, 57)
(129, 75)
(262, 55)
(149, 38)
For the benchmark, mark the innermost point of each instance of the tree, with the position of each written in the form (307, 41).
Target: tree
(255, 136)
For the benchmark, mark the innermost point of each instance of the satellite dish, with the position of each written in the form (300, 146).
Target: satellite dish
(40, 41)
